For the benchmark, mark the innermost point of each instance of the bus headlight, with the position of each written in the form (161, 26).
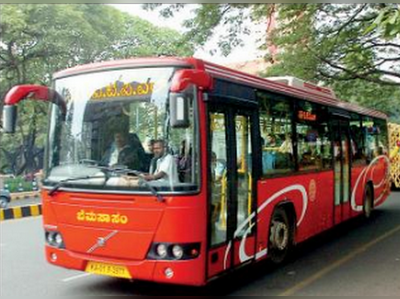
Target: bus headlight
(50, 238)
(171, 251)
(177, 252)
(162, 251)
(58, 240)
(54, 239)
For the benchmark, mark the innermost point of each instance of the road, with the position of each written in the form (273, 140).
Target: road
(356, 259)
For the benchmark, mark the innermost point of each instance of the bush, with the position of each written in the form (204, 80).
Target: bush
(18, 184)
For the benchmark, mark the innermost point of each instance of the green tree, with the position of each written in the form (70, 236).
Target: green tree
(387, 22)
(38, 39)
(337, 36)
(338, 46)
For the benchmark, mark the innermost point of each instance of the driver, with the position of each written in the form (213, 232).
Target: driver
(121, 153)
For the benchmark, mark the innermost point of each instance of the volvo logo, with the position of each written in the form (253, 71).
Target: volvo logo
(102, 241)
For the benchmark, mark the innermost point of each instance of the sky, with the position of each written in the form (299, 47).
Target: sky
(250, 48)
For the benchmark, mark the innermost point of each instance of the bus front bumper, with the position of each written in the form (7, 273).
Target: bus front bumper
(188, 272)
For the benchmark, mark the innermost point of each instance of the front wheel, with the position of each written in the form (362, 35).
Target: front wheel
(280, 236)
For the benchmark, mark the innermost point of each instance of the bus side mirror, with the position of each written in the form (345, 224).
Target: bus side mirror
(180, 99)
(36, 93)
(179, 104)
(185, 77)
(9, 118)
(19, 93)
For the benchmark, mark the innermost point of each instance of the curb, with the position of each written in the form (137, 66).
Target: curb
(20, 212)
(24, 195)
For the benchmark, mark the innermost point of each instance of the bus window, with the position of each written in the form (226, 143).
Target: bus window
(314, 150)
(244, 159)
(370, 138)
(382, 137)
(276, 135)
(357, 149)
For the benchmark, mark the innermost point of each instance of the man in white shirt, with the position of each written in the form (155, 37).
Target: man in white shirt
(166, 169)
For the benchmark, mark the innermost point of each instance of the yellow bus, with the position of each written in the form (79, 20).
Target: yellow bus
(394, 144)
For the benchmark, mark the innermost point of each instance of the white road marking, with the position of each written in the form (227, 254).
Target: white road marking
(76, 277)
(330, 268)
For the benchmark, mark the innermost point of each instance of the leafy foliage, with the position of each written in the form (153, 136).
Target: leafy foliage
(387, 22)
(352, 47)
(335, 48)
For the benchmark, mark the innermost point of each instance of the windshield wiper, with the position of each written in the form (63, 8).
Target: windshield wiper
(152, 189)
(62, 182)
(144, 183)
(106, 171)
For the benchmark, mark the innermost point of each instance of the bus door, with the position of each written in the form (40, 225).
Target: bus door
(342, 169)
(231, 196)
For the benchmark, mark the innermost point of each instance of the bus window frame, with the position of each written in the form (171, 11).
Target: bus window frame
(328, 115)
(361, 161)
(292, 103)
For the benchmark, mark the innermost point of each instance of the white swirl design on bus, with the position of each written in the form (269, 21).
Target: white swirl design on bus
(363, 176)
(242, 251)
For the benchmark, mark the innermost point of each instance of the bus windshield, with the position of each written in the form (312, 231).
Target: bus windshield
(115, 134)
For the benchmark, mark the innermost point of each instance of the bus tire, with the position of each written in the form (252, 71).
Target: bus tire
(280, 236)
(368, 204)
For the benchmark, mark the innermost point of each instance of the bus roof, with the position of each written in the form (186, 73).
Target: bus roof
(282, 88)
(222, 72)
(129, 63)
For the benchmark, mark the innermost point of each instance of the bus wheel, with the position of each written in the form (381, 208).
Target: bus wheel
(368, 205)
(280, 236)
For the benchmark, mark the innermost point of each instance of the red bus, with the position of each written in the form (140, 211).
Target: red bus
(242, 168)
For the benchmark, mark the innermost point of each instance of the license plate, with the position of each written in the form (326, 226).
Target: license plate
(107, 269)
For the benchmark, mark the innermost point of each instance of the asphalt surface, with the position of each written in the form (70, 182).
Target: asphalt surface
(358, 258)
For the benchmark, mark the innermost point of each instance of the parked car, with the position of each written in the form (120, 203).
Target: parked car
(5, 198)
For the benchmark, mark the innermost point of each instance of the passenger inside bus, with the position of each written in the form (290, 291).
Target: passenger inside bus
(150, 159)
(287, 146)
(218, 168)
(166, 168)
(285, 159)
(218, 174)
(269, 149)
(309, 148)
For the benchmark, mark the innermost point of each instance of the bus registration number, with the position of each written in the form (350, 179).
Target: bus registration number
(107, 269)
